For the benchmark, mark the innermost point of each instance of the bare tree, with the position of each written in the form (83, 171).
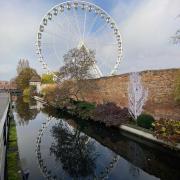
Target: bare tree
(176, 37)
(22, 64)
(78, 62)
(137, 95)
(78, 68)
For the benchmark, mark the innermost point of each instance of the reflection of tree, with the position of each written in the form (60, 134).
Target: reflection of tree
(74, 151)
(24, 112)
(51, 111)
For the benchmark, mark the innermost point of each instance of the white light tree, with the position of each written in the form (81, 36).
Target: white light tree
(137, 95)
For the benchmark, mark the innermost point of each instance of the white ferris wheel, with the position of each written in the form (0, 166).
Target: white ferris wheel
(72, 24)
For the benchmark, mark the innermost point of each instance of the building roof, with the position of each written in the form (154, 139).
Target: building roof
(7, 85)
(35, 78)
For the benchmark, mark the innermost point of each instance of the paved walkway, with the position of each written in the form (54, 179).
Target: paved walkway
(4, 98)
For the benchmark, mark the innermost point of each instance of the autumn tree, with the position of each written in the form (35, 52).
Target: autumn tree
(23, 78)
(47, 78)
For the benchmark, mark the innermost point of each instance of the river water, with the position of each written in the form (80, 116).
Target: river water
(53, 145)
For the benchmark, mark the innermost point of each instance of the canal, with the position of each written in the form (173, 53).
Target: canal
(53, 145)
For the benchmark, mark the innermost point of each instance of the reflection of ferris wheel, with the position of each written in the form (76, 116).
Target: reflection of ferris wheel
(47, 171)
(72, 24)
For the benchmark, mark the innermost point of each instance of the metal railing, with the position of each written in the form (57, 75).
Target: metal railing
(4, 121)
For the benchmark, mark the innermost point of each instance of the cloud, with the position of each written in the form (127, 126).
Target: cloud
(146, 28)
(146, 32)
(19, 23)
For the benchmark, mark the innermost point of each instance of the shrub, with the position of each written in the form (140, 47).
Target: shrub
(110, 114)
(48, 92)
(26, 92)
(167, 130)
(84, 109)
(85, 105)
(145, 121)
(47, 79)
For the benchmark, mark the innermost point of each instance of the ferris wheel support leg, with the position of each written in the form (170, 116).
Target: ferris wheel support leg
(98, 71)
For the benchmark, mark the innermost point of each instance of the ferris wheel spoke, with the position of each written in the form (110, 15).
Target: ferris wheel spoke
(69, 22)
(84, 24)
(66, 42)
(52, 34)
(100, 29)
(92, 25)
(70, 32)
(56, 54)
(102, 43)
(75, 32)
(60, 36)
(77, 22)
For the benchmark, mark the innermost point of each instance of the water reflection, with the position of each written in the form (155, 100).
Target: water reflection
(24, 110)
(76, 149)
(73, 154)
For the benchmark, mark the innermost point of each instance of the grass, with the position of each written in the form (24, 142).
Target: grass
(135, 126)
(12, 154)
(12, 166)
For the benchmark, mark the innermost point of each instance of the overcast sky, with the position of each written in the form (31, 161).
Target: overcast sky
(146, 27)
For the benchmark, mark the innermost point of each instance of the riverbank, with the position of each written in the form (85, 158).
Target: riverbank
(13, 163)
(130, 130)
(66, 134)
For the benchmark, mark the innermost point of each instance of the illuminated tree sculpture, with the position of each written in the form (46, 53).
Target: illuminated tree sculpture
(137, 95)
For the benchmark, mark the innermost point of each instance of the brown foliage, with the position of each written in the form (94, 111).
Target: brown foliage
(111, 114)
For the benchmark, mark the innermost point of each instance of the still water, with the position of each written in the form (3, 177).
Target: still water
(55, 146)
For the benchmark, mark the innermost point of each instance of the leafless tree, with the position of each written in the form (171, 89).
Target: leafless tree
(22, 64)
(77, 64)
(77, 67)
(176, 37)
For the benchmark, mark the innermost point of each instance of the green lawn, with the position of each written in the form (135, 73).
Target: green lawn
(13, 165)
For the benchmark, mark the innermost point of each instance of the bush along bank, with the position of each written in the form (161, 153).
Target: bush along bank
(109, 113)
(114, 116)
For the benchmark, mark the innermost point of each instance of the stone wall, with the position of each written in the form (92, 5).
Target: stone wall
(160, 84)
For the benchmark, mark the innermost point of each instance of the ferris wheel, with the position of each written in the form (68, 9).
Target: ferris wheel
(73, 24)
